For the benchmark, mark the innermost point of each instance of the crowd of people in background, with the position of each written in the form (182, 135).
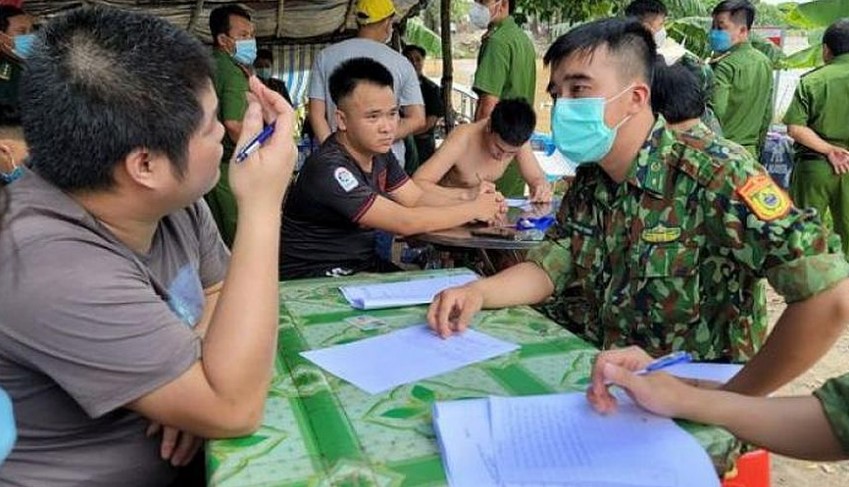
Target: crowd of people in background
(664, 241)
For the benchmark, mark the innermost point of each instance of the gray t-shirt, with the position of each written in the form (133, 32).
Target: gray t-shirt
(405, 81)
(87, 326)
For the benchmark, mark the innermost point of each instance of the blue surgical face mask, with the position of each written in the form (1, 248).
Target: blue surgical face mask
(264, 73)
(245, 52)
(720, 40)
(10, 177)
(23, 45)
(579, 130)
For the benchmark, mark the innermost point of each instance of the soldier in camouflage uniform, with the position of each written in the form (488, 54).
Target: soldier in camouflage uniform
(664, 238)
(813, 427)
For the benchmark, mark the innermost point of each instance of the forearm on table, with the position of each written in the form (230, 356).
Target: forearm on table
(243, 329)
(791, 426)
(803, 334)
(525, 283)
(435, 195)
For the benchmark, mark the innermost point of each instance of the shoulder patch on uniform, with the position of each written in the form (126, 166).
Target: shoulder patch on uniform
(345, 179)
(765, 198)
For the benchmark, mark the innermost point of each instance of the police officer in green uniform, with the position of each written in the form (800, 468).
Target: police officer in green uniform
(653, 14)
(813, 427)
(15, 41)
(234, 39)
(742, 84)
(666, 235)
(818, 120)
(506, 69)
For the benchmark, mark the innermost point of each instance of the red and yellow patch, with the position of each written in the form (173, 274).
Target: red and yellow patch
(765, 198)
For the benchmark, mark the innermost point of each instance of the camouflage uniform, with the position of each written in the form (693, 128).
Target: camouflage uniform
(834, 397)
(672, 258)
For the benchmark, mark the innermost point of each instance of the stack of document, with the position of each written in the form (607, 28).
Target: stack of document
(405, 356)
(559, 440)
(404, 293)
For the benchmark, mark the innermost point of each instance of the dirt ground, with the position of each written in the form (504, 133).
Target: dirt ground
(796, 473)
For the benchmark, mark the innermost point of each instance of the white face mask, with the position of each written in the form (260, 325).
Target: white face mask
(660, 38)
(480, 16)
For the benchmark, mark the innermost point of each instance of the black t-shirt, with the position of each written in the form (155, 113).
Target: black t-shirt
(320, 230)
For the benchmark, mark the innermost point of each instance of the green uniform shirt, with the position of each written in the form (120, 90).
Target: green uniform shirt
(673, 258)
(742, 95)
(820, 104)
(507, 69)
(231, 86)
(834, 397)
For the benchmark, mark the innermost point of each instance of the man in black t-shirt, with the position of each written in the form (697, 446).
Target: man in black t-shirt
(434, 108)
(353, 185)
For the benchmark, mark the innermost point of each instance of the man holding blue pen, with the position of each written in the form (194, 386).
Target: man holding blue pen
(665, 238)
(128, 332)
(814, 427)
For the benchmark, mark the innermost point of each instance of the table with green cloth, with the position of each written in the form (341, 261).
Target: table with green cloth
(320, 430)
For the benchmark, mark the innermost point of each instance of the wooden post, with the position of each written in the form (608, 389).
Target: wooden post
(280, 18)
(193, 20)
(447, 64)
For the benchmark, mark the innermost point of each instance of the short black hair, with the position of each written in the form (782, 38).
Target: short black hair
(676, 93)
(836, 37)
(513, 120)
(264, 53)
(355, 71)
(102, 82)
(219, 20)
(6, 13)
(643, 9)
(741, 11)
(626, 39)
(409, 48)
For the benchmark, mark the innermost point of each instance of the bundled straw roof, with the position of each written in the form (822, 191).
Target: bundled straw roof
(293, 21)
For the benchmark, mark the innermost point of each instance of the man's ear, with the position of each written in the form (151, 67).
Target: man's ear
(145, 168)
(640, 95)
(826, 53)
(340, 120)
(223, 40)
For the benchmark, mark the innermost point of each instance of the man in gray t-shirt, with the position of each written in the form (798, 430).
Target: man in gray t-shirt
(375, 19)
(125, 322)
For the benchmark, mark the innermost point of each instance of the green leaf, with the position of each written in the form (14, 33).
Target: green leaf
(824, 12)
(806, 58)
(692, 33)
(772, 51)
(404, 412)
(420, 35)
(423, 394)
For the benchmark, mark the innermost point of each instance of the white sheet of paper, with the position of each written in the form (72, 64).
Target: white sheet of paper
(465, 443)
(704, 371)
(404, 293)
(559, 439)
(404, 356)
(517, 202)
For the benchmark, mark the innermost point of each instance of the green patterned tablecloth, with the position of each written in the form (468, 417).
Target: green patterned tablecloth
(319, 430)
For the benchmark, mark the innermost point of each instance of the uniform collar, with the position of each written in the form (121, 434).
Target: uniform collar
(507, 22)
(841, 59)
(648, 172)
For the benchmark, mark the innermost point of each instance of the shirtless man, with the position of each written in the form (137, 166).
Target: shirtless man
(475, 156)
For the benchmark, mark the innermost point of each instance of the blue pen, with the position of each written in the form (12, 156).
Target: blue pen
(666, 361)
(255, 143)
